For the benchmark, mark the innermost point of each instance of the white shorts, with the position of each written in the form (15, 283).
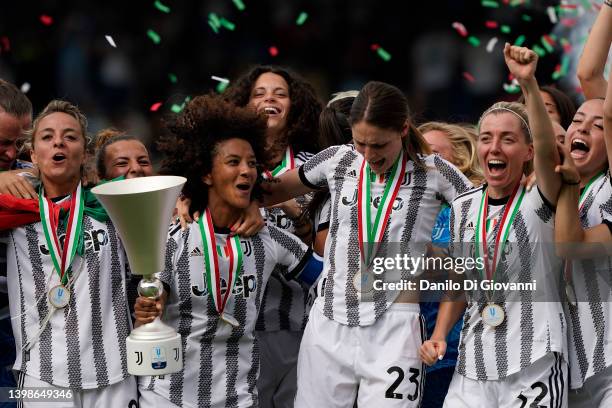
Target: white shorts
(151, 399)
(278, 354)
(381, 361)
(595, 393)
(542, 384)
(119, 395)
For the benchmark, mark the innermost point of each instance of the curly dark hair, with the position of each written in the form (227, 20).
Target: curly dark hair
(303, 120)
(194, 135)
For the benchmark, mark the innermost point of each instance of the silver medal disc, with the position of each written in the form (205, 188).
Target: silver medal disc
(229, 319)
(493, 315)
(363, 282)
(59, 296)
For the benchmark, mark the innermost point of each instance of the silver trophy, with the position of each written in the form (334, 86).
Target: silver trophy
(141, 209)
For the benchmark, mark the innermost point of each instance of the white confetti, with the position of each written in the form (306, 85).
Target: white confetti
(552, 15)
(491, 44)
(216, 78)
(110, 41)
(25, 87)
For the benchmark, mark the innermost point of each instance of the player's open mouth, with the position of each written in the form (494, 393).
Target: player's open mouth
(579, 148)
(59, 157)
(271, 110)
(496, 166)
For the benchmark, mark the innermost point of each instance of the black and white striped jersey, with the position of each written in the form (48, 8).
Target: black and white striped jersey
(422, 191)
(285, 303)
(590, 322)
(531, 328)
(83, 345)
(221, 362)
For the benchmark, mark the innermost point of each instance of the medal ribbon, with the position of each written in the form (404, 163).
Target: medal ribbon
(502, 233)
(374, 232)
(62, 257)
(287, 164)
(211, 262)
(587, 189)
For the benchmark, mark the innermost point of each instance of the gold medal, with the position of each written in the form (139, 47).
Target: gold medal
(59, 296)
(493, 314)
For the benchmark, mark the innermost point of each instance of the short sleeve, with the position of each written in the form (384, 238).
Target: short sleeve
(290, 251)
(176, 240)
(451, 182)
(315, 172)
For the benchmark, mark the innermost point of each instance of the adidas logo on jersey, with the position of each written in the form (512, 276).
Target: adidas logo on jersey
(352, 174)
(196, 252)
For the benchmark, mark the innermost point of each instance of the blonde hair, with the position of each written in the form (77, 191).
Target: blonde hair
(520, 111)
(463, 140)
(60, 106)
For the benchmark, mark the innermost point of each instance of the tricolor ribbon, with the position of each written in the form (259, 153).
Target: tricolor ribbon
(62, 256)
(212, 271)
(287, 164)
(501, 237)
(371, 234)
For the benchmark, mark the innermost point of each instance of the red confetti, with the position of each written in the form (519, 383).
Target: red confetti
(46, 20)
(273, 51)
(510, 77)
(374, 47)
(6, 44)
(569, 22)
(468, 76)
(491, 24)
(155, 106)
(460, 28)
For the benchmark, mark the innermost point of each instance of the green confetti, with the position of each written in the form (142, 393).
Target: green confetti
(161, 7)
(538, 50)
(567, 12)
(383, 54)
(227, 24)
(172, 78)
(515, 3)
(520, 40)
(505, 29)
(586, 5)
(526, 17)
(556, 75)
(512, 89)
(176, 108)
(547, 45)
(154, 36)
(488, 3)
(565, 62)
(212, 18)
(474, 41)
(214, 27)
(301, 18)
(222, 86)
(239, 4)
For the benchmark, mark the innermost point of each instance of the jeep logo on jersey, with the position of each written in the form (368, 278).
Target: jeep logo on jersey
(94, 239)
(397, 205)
(245, 286)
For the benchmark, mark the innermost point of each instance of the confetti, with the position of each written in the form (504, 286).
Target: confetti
(222, 86)
(110, 41)
(227, 24)
(469, 77)
(526, 17)
(491, 24)
(548, 43)
(538, 50)
(505, 29)
(567, 47)
(301, 18)
(491, 44)
(153, 36)
(6, 44)
(515, 3)
(219, 79)
(569, 22)
(25, 87)
(513, 87)
(520, 40)
(46, 20)
(552, 15)
(239, 4)
(383, 54)
(155, 106)
(214, 22)
(273, 51)
(172, 78)
(474, 41)
(488, 3)
(176, 108)
(161, 7)
(460, 28)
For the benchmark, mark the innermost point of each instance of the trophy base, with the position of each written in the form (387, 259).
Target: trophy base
(154, 349)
